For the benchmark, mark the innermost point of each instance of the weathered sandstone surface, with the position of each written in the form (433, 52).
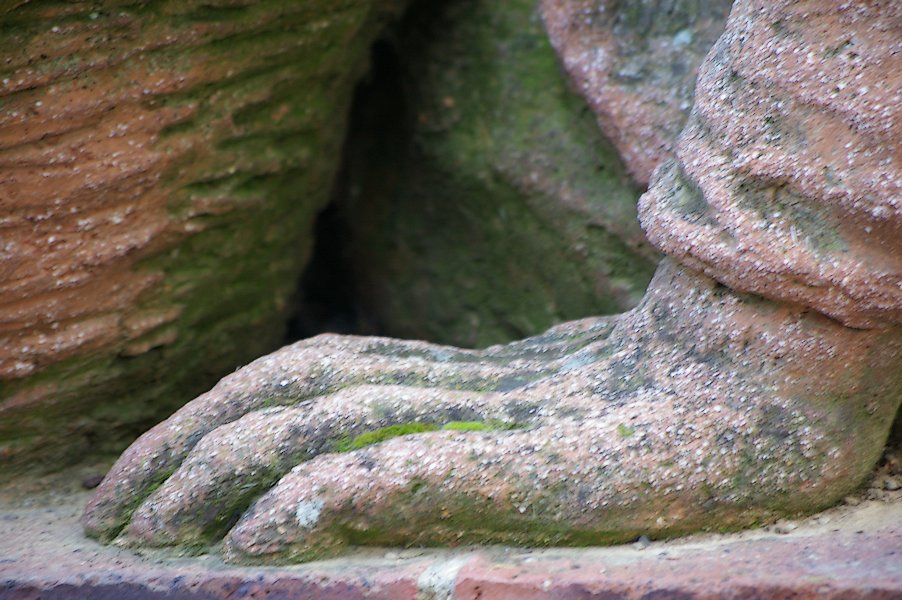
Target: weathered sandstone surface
(162, 164)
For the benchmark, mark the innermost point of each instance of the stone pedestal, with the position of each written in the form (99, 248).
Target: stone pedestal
(849, 552)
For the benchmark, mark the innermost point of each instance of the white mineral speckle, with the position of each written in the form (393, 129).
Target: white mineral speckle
(307, 512)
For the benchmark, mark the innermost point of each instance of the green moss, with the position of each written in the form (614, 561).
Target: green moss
(624, 431)
(464, 519)
(348, 444)
(230, 507)
(130, 507)
(810, 222)
(468, 426)
(684, 196)
(383, 433)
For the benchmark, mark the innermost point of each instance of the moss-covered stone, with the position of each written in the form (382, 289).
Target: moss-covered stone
(384, 433)
(484, 204)
(392, 431)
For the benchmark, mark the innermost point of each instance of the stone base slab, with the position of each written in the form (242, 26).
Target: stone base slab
(849, 552)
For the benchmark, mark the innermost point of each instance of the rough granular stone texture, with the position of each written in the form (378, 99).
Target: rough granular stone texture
(704, 407)
(788, 179)
(636, 62)
(483, 204)
(162, 165)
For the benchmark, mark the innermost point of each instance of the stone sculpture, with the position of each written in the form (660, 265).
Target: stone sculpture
(758, 376)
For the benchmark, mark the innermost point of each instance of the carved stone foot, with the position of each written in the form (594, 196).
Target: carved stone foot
(702, 408)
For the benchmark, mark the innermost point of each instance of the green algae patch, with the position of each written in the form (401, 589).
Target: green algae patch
(624, 431)
(382, 434)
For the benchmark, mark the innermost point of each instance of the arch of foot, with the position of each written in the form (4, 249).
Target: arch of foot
(706, 406)
(786, 182)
